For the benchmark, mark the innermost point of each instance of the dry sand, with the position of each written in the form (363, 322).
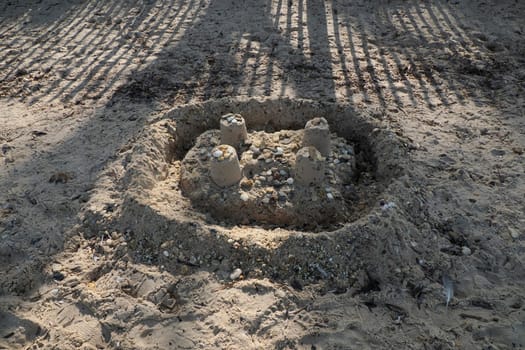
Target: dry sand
(100, 99)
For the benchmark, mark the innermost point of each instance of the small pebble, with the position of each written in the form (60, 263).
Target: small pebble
(466, 250)
(283, 172)
(217, 153)
(386, 206)
(266, 200)
(497, 152)
(58, 276)
(289, 181)
(279, 151)
(330, 196)
(166, 253)
(244, 197)
(514, 233)
(235, 274)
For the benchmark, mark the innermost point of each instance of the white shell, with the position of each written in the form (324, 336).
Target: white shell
(236, 274)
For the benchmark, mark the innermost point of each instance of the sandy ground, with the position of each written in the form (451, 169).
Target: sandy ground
(98, 250)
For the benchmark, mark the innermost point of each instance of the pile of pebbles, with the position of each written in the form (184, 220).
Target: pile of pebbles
(299, 178)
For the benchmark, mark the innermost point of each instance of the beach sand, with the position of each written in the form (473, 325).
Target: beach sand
(100, 99)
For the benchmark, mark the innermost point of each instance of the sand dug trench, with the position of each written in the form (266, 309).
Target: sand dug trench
(170, 163)
(161, 217)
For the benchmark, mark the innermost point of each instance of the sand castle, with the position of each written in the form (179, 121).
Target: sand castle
(224, 166)
(285, 177)
(225, 169)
